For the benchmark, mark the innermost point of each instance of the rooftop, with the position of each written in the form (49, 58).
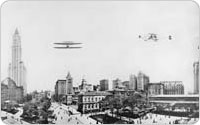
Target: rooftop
(194, 95)
(95, 93)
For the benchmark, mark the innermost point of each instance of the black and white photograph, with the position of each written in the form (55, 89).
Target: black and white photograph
(100, 62)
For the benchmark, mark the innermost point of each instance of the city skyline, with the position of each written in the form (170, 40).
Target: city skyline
(111, 48)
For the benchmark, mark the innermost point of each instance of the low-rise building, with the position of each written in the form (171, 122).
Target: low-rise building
(90, 101)
(172, 102)
(10, 91)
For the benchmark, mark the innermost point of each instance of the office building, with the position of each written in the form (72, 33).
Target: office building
(69, 84)
(196, 77)
(17, 70)
(155, 88)
(103, 85)
(133, 82)
(142, 81)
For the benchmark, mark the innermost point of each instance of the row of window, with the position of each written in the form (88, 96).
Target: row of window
(91, 106)
(92, 99)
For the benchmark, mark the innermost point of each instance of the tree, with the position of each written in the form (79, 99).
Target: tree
(133, 101)
(27, 98)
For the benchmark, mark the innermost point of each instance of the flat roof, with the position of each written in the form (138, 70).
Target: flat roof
(193, 95)
(95, 93)
(174, 102)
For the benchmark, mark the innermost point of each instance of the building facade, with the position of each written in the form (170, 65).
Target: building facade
(142, 81)
(10, 91)
(17, 70)
(69, 83)
(85, 87)
(196, 77)
(126, 85)
(117, 84)
(96, 87)
(90, 101)
(155, 88)
(173, 87)
(60, 89)
(133, 82)
(103, 85)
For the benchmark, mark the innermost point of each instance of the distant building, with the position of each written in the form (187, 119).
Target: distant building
(196, 77)
(64, 89)
(142, 81)
(173, 87)
(48, 94)
(89, 101)
(75, 96)
(60, 89)
(37, 96)
(69, 99)
(96, 87)
(126, 85)
(133, 82)
(10, 91)
(182, 103)
(16, 69)
(76, 90)
(69, 84)
(103, 85)
(121, 92)
(85, 87)
(155, 88)
(4, 93)
(117, 84)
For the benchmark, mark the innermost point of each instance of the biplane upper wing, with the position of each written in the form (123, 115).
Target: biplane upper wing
(67, 47)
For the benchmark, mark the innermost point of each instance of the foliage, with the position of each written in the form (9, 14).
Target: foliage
(119, 102)
(37, 111)
(27, 98)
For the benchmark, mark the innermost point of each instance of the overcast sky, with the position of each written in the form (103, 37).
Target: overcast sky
(109, 32)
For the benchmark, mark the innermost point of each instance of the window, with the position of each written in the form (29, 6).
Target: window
(85, 99)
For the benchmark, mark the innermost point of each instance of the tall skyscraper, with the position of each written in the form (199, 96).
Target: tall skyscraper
(196, 77)
(103, 85)
(142, 81)
(60, 89)
(17, 70)
(69, 84)
(133, 82)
